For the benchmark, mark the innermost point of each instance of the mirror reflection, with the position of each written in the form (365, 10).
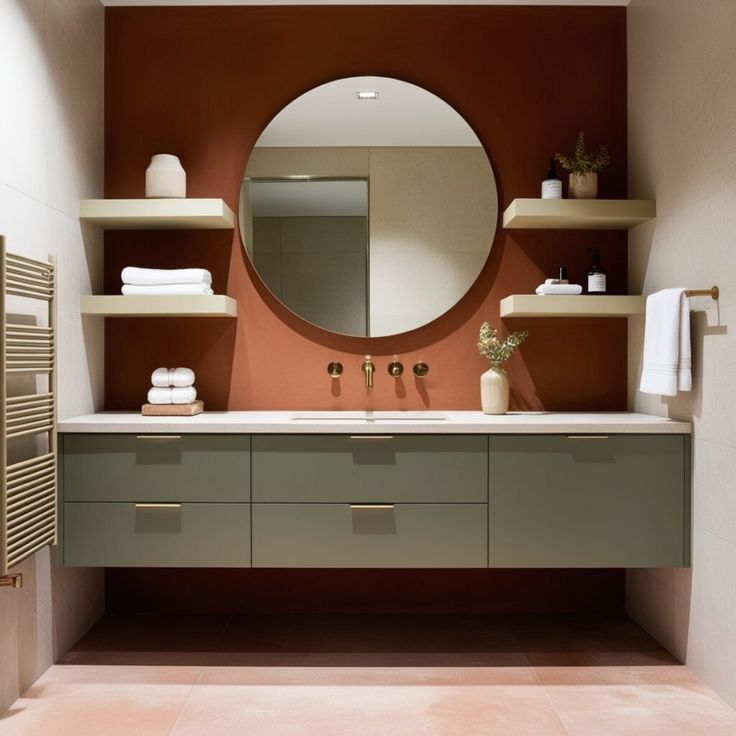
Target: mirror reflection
(368, 206)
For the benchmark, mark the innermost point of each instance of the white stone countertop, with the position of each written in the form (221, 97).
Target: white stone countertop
(377, 422)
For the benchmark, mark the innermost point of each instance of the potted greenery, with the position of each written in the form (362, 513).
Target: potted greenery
(584, 167)
(494, 383)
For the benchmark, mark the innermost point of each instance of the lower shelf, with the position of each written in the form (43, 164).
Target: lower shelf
(531, 305)
(216, 305)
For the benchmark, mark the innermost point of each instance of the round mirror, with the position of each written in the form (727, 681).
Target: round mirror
(368, 206)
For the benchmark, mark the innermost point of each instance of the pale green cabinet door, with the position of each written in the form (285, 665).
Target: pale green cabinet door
(157, 535)
(338, 535)
(370, 469)
(587, 501)
(156, 467)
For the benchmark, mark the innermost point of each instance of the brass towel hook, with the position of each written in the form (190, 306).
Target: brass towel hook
(714, 292)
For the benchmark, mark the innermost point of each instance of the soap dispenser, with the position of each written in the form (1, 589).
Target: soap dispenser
(552, 185)
(595, 278)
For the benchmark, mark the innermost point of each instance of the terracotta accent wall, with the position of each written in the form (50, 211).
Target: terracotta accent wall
(204, 82)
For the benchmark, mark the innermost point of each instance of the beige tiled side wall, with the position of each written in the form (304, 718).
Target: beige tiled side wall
(51, 146)
(682, 152)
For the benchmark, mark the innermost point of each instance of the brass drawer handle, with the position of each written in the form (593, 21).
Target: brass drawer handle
(371, 436)
(158, 505)
(158, 436)
(365, 506)
(587, 436)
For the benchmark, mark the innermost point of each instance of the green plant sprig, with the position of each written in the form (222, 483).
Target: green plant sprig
(582, 162)
(496, 350)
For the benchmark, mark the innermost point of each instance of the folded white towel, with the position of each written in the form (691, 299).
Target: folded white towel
(159, 395)
(182, 377)
(559, 289)
(167, 289)
(168, 395)
(158, 276)
(160, 378)
(179, 377)
(183, 395)
(667, 357)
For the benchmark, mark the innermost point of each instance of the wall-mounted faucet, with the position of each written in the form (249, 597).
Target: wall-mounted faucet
(368, 369)
(395, 367)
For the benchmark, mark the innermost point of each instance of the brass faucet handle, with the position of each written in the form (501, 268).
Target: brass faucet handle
(334, 369)
(420, 369)
(395, 367)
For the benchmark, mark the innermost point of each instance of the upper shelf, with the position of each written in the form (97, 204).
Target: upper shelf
(578, 214)
(532, 305)
(216, 305)
(157, 214)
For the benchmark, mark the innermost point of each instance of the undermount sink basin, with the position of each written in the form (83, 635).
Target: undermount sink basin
(369, 416)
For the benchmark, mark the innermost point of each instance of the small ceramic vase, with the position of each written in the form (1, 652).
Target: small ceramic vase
(494, 390)
(583, 186)
(165, 177)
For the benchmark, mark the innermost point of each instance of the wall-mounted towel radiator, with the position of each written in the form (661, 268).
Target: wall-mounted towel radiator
(28, 489)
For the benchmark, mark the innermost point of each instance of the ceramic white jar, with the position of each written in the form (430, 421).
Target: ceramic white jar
(583, 186)
(494, 390)
(165, 177)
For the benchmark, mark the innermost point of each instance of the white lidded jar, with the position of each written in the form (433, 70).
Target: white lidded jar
(165, 177)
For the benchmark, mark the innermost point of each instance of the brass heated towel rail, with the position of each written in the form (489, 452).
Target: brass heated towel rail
(28, 489)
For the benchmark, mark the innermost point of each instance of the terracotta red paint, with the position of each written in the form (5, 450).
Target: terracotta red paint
(203, 82)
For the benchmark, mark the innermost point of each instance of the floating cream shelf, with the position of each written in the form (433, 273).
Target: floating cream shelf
(157, 214)
(578, 214)
(160, 306)
(531, 305)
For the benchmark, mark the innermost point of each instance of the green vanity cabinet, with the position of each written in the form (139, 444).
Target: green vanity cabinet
(156, 467)
(589, 501)
(155, 500)
(370, 468)
(389, 535)
(157, 535)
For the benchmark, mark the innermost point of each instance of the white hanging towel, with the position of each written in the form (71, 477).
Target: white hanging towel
(667, 357)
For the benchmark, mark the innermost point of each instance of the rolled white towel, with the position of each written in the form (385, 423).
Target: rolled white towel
(160, 395)
(170, 289)
(160, 378)
(158, 276)
(182, 377)
(559, 289)
(183, 395)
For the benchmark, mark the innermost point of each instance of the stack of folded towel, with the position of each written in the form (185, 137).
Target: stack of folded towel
(179, 281)
(559, 289)
(172, 386)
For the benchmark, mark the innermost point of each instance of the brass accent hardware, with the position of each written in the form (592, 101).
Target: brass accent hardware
(714, 292)
(366, 506)
(11, 581)
(368, 369)
(371, 436)
(420, 369)
(158, 436)
(395, 367)
(334, 369)
(158, 505)
(587, 436)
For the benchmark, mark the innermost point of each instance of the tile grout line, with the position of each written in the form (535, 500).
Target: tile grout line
(199, 678)
(546, 694)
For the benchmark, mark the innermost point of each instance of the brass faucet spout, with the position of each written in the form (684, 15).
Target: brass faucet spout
(368, 369)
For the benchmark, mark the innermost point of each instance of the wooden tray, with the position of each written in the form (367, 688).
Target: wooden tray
(172, 410)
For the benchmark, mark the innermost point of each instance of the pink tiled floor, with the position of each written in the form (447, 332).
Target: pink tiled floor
(368, 676)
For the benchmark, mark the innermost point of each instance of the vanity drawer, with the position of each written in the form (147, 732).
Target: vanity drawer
(370, 469)
(177, 535)
(589, 501)
(156, 467)
(338, 535)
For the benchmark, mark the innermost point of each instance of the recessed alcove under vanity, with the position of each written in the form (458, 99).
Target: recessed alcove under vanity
(353, 414)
